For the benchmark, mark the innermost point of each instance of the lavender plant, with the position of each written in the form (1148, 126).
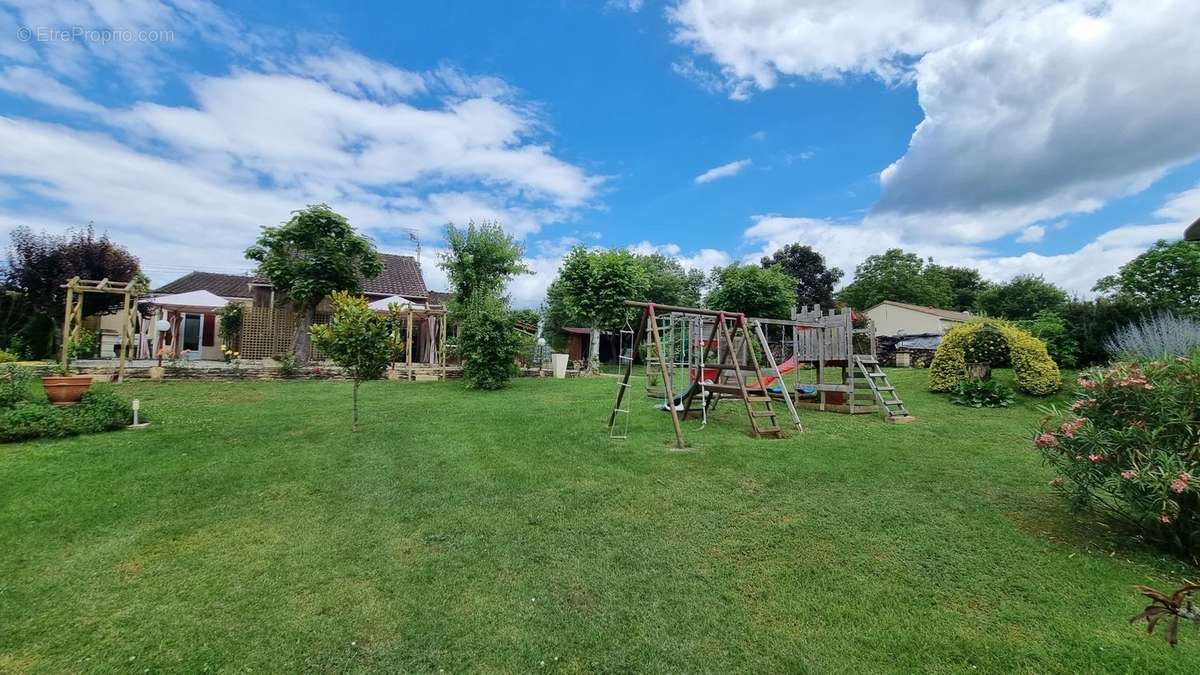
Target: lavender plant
(1161, 336)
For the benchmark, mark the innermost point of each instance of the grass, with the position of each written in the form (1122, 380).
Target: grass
(248, 529)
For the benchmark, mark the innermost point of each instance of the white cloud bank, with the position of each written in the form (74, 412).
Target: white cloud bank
(188, 186)
(1034, 110)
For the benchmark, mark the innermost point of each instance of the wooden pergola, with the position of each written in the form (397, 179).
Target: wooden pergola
(77, 290)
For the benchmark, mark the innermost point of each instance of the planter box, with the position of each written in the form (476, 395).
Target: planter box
(66, 390)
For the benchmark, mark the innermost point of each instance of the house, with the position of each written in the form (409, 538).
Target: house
(266, 328)
(893, 318)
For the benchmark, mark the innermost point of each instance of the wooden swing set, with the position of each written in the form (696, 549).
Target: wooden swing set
(821, 340)
(728, 351)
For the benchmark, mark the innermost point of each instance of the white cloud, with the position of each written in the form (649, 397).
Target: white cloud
(193, 184)
(1032, 234)
(845, 245)
(627, 5)
(755, 43)
(39, 86)
(1033, 109)
(723, 171)
(759, 135)
(704, 259)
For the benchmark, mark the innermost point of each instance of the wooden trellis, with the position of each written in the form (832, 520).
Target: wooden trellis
(77, 290)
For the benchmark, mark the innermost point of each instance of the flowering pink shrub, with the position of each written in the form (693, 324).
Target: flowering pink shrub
(1130, 446)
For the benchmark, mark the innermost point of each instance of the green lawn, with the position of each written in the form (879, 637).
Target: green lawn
(248, 529)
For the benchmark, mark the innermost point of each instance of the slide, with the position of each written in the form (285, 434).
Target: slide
(784, 368)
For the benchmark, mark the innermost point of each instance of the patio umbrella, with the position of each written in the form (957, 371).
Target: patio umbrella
(1193, 231)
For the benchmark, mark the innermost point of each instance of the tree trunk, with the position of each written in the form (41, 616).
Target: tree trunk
(354, 423)
(302, 339)
(594, 352)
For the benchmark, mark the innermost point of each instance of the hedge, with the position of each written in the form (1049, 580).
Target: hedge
(1035, 371)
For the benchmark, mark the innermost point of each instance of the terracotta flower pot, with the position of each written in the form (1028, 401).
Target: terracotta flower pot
(66, 390)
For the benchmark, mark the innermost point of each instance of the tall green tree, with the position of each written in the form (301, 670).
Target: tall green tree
(480, 260)
(1167, 276)
(358, 339)
(591, 289)
(668, 283)
(754, 291)
(898, 276)
(965, 285)
(38, 266)
(814, 281)
(312, 255)
(1022, 297)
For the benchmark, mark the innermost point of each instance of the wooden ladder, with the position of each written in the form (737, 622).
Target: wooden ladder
(763, 419)
(887, 396)
(787, 395)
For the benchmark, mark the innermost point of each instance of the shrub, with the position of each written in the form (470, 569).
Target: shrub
(100, 409)
(1130, 448)
(489, 344)
(1051, 328)
(16, 385)
(27, 420)
(975, 341)
(7, 357)
(357, 339)
(1162, 336)
(83, 345)
(983, 394)
(287, 365)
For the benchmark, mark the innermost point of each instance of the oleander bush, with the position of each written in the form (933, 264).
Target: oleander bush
(994, 342)
(1130, 446)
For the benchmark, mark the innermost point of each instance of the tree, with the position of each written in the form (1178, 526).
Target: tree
(814, 281)
(479, 261)
(1022, 297)
(965, 285)
(309, 257)
(667, 283)
(39, 264)
(529, 317)
(1049, 327)
(898, 276)
(754, 291)
(1167, 276)
(1091, 322)
(489, 343)
(591, 289)
(356, 338)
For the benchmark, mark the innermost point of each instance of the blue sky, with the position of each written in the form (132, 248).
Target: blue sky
(1056, 138)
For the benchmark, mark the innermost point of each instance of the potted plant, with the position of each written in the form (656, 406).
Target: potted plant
(63, 388)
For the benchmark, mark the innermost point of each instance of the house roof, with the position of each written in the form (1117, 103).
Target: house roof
(224, 285)
(933, 311)
(400, 276)
(440, 297)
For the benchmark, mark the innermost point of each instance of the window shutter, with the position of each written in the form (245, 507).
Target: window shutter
(210, 330)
